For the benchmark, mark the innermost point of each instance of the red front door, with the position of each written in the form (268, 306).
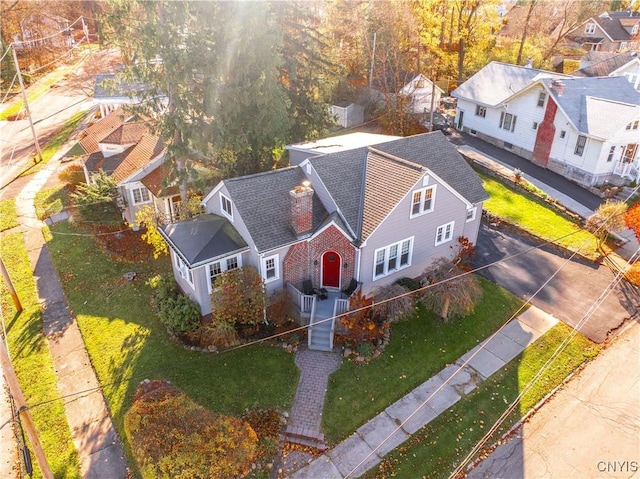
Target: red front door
(330, 270)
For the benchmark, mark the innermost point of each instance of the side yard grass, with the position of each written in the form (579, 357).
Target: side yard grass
(537, 218)
(51, 201)
(32, 361)
(419, 348)
(8, 214)
(437, 449)
(127, 343)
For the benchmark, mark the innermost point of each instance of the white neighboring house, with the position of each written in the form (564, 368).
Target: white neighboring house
(421, 90)
(126, 150)
(625, 64)
(585, 129)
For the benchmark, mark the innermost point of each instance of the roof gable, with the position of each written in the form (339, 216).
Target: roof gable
(139, 156)
(125, 134)
(498, 81)
(99, 130)
(607, 65)
(387, 181)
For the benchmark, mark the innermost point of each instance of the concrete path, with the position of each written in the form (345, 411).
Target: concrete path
(306, 412)
(364, 449)
(95, 438)
(590, 428)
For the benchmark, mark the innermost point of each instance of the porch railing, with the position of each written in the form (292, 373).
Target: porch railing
(304, 302)
(340, 306)
(311, 320)
(627, 170)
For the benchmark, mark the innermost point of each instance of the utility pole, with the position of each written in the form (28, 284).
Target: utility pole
(23, 410)
(12, 290)
(26, 105)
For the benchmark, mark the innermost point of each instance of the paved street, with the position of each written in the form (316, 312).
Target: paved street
(569, 295)
(591, 428)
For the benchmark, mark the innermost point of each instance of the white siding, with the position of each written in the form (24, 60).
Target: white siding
(399, 226)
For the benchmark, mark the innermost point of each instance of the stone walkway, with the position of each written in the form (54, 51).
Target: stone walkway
(364, 449)
(315, 367)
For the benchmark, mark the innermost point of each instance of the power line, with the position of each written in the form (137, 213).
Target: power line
(561, 347)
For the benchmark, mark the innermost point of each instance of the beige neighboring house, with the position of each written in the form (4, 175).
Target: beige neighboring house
(126, 150)
(608, 32)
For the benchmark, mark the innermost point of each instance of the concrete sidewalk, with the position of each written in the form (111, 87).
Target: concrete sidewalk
(99, 448)
(364, 449)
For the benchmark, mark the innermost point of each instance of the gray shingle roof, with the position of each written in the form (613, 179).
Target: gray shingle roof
(607, 65)
(203, 238)
(577, 101)
(264, 204)
(498, 81)
(346, 176)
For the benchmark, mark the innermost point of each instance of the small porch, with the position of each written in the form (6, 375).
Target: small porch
(319, 314)
(629, 171)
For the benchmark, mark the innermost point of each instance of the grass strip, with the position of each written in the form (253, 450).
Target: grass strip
(56, 142)
(127, 343)
(536, 218)
(435, 450)
(51, 201)
(33, 364)
(8, 214)
(420, 347)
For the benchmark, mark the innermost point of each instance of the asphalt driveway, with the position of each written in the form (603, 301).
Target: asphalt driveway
(569, 295)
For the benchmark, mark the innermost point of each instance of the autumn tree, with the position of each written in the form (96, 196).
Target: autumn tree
(238, 297)
(210, 80)
(632, 219)
(449, 292)
(147, 218)
(609, 217)
(392, 302)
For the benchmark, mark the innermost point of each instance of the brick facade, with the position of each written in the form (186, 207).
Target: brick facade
(298, 264)
(545, 135)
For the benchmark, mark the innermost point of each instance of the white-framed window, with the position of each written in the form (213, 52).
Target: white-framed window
(270, 268)
(392, 258)
(423, 200)
(444, 233)
(633, 125)
(634, 29)
(481, 111)
(612, 151)
(590, 28)
(216, 268)
(140, 195)
(507, 121)
(183, 270)
(623, 45)
(226, 206)
(580, 144)
(541, 98)
(563, 133)
(471, 214)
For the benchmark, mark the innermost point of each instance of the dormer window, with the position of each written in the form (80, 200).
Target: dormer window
(226, 206)
(590, 28)
(422, 201)
(633, 125)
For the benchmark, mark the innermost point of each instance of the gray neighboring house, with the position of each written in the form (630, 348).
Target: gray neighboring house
(586, 129)
(369, 215)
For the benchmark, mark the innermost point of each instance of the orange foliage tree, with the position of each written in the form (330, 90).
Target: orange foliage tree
(632, 219)
(238, 296)
(359, 325)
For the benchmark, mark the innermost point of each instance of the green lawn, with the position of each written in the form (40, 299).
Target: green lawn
(420, 347)
(536, 217)
(56, 142)
(8, 214)
(437, 449)
(51, 201)
(127, 343)
(32, 361)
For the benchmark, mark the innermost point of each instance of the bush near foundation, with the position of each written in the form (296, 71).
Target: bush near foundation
(173, 437)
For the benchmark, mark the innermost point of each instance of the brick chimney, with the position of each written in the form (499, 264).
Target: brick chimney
(558, 87)
(302, 209)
